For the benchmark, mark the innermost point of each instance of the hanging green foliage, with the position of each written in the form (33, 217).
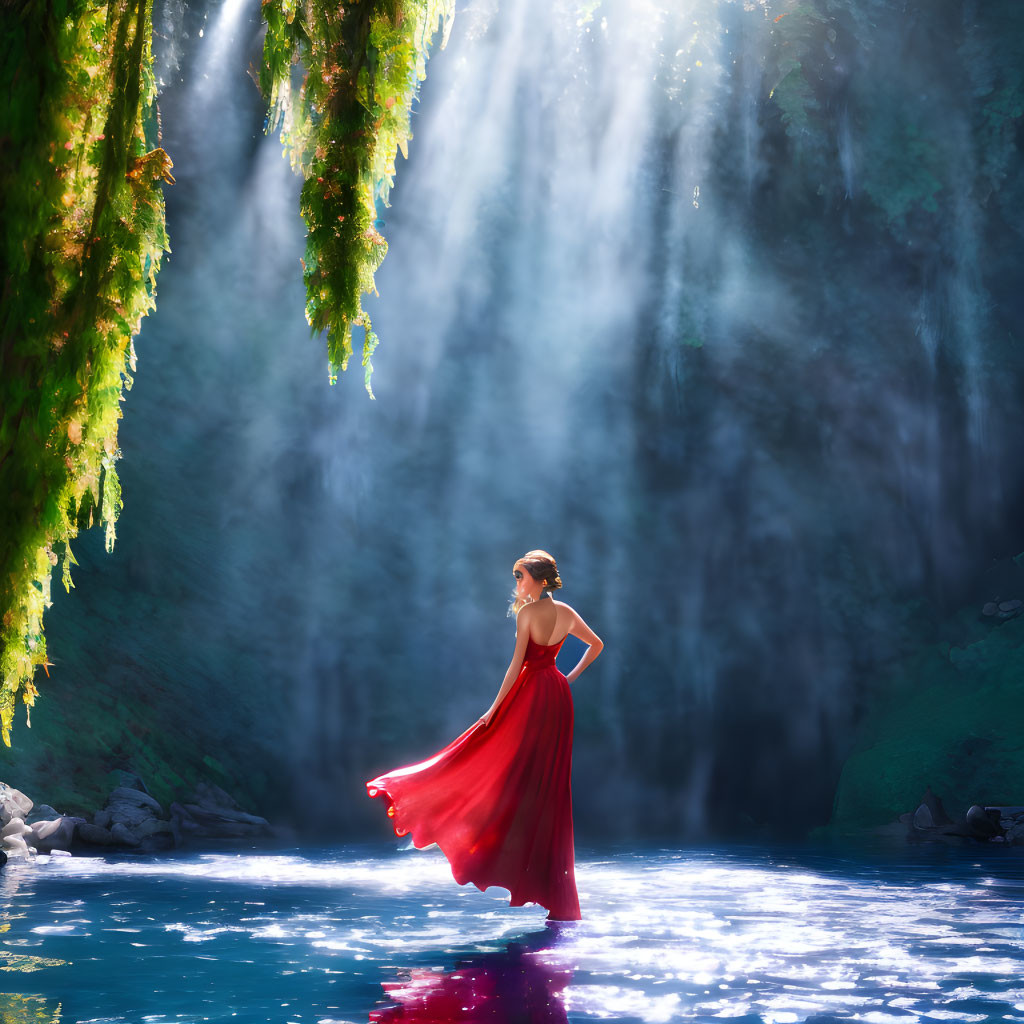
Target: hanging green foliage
(343, 122)
(80, 245)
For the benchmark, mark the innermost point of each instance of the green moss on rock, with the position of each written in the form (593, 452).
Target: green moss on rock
(954, 720)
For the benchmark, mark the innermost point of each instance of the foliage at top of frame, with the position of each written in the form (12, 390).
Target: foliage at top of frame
(80, 247)
(342, 123)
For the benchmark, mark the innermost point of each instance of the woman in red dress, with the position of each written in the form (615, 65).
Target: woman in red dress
(498, 800)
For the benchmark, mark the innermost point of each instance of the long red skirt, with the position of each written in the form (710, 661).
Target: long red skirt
(498, 799)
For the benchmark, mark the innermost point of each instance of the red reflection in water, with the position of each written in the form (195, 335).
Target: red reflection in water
(521, 984)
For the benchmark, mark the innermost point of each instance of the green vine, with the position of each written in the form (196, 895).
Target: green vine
(80, 246)
(342, 126)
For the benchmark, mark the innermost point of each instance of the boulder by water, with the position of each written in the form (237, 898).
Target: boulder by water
(923, 817)
(122, 834)
(210, 812)
(95, 835)
(41, 812)
(14, 807)
(13, 804)
(1003, 609)
(983, 823)
(56, 834)
(934, 805)
(131, 819)
(997, 824)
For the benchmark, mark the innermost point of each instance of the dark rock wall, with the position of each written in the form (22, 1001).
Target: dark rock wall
(719, 306)
(949, 717)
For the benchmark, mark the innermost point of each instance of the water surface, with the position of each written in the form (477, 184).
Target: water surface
(369, 932)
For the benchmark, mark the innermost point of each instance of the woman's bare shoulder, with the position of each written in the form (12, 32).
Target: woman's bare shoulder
(525, 613)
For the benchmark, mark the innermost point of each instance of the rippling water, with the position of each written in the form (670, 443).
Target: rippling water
(360, 933)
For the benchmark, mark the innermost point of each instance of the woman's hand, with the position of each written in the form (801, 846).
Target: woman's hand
(485, 719)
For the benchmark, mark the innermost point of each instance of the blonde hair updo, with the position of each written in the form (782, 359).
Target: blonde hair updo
(542, 567)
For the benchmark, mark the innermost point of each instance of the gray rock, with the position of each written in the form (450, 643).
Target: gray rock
(1015, 834)
(57, 834)
(102, 818)
(95, 835)
(15, 846)
(135, 796)
(152, 826)
(45, 829)
(192, 820)
(209, 795)
(13, 804)
(42, 812)
(123, 834)
(15, 827)
(990, 608)
(57, 852)
(934, 804)
(157, 841)
(1010, 606)
(923, 817)
(125, 813)
(211, 812)
(1008, 816)
(217, 815)
(983, 824)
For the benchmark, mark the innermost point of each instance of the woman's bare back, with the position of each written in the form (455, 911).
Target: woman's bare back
(549, 622)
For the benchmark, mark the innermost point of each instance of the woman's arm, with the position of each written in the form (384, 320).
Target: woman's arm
(522, 635)
(581, 630)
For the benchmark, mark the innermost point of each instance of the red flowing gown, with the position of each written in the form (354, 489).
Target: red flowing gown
(498, 800)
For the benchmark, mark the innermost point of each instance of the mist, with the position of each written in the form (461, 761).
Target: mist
(715, 301)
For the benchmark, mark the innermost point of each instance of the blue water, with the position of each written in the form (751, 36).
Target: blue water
(325, 935)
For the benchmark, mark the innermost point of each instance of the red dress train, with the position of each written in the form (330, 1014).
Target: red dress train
(497, 800)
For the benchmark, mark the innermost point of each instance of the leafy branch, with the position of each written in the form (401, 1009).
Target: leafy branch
(342, 122)
(80, 247)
